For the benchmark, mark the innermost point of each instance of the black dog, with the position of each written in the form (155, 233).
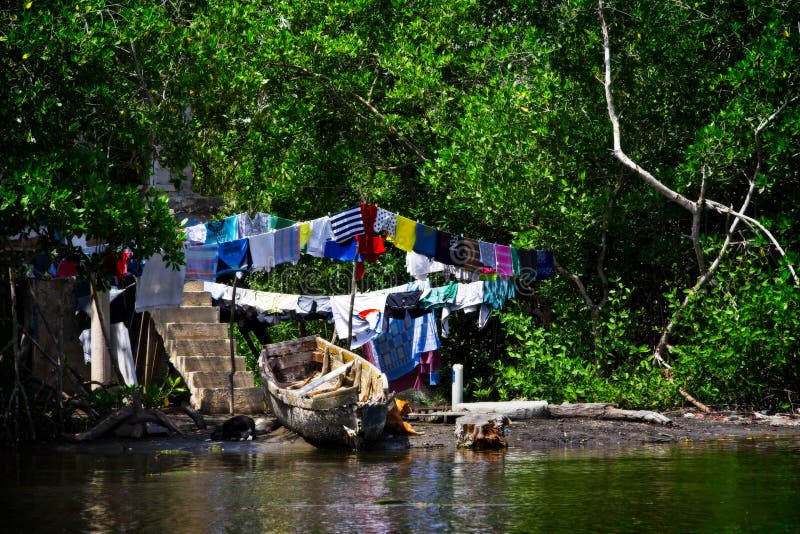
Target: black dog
(237, 428)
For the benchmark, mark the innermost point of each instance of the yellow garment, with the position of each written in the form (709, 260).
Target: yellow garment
(305, 234)
(405, 234)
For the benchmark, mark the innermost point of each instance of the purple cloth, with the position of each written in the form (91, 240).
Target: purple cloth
(201, 262)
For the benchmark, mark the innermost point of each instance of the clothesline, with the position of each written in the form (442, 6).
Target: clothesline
(240, 242)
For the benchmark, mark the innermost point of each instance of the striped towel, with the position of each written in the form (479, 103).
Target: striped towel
(287, 245)
(505, 266)
(201, 262)
(347, 224)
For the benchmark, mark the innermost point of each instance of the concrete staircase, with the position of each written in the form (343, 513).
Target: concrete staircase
(199, 347)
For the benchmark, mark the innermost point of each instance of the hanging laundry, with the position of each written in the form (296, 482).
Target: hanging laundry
(437, 297)
(233, 256)
(226, 229)
(279, 223)
(159, 286)
(503, 263)
(392, 350)
(367, 317)
(267, 302)
(385, 221)
(470, 250)
(469, 298)
(419, 265)
(305, 235)
(314, 307)
(262, 251)
(527, 265)
(397, 304)
(347, 224)
(405, 233)
(250, 226)
(427, 370)
(320, 234)
(370, 246)
(340, 251)
(201, 262)
(426, 337)
(287, 245)
(515, 265)
(66, 268)
(196, 234)
(545, 264)
(487, 256)
(425, 242)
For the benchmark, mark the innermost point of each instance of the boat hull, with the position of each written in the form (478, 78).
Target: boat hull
(349, 416)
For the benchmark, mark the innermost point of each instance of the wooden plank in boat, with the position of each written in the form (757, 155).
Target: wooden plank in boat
(325, 378)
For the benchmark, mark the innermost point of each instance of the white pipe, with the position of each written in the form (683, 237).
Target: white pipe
(457, 396)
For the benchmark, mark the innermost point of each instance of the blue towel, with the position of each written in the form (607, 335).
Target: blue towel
(425, 242)
(340, 251)
(233, 256)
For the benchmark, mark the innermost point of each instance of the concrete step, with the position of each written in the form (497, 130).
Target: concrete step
(219, 364)
(197, 331)
(187, 314)
(199, 347)
(219, 379)
(197, 298)
(216, 400)
(193, 286)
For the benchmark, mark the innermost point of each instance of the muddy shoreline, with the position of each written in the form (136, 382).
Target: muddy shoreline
(527, 435)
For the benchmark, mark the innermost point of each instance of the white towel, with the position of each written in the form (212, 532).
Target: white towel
(159, 286)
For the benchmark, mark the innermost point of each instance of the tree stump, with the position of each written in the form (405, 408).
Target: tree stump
(481, 431)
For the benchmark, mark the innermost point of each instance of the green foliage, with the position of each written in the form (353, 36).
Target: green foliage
(738, 344)
(152, 396)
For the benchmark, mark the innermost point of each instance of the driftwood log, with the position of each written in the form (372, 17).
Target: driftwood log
(130, 422)
(481, 431)
(600, 410)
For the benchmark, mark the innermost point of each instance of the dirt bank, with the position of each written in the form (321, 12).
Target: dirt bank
(533, 434)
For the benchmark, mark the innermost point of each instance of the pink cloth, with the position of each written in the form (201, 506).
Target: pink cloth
(505, 266)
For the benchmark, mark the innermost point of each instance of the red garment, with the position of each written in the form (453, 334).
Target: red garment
(66, 268)
(370, 246)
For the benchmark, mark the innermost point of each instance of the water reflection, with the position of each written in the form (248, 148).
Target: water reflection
(748, 485)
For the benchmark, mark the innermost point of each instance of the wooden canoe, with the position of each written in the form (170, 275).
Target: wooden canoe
(328, 395)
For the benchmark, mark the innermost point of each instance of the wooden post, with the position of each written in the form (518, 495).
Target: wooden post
(101, 357)
(233, 342)
(352, 301)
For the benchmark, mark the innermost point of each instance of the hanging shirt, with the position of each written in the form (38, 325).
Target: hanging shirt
(367, 317)
(201, 262)
(250, 226)
(437, 297)
(449, 249)
(425, 242)
(268, 302)
(233, 256)
(347, 224)
(196, 234)
(397, 304)
(226, 229)
(503, 263)
(287, 245)
(320, 233)
(468, 299)
(385, 221)
(159, 286)
(405, 233)
(262, 251)
(419, 265)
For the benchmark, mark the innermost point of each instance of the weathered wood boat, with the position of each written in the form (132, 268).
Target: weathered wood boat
(330, 396)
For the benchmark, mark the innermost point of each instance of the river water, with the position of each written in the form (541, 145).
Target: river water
(747, 486)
